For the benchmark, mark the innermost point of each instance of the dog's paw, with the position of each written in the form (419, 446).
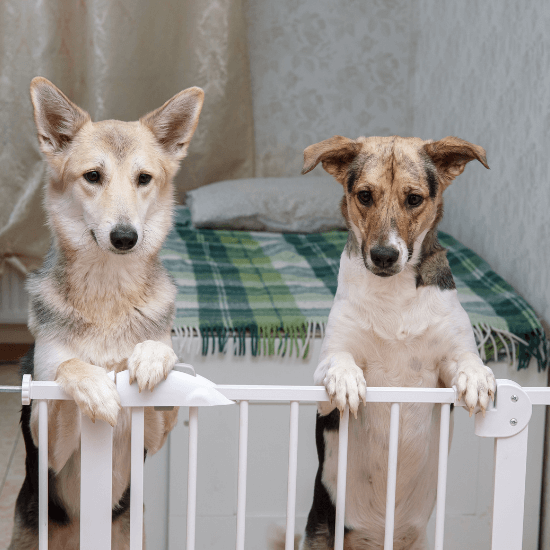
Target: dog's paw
(475, 382)
(150, 363)
(345, 382)
(91, 388)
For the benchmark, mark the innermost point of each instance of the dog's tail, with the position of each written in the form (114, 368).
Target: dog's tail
(277, 538)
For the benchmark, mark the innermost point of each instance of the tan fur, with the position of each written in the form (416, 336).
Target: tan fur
(69, 537)
(411, 539)
(391, 169)
(450, 156)
(277, 539)
(95, 308)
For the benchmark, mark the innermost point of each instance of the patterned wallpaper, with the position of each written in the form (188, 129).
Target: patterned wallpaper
(481, 73)
(430, 68)
(325, 67)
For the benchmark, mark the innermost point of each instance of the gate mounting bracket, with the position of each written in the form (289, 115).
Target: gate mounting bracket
(508, 415)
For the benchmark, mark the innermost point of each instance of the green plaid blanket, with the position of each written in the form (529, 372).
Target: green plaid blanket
(278, 289)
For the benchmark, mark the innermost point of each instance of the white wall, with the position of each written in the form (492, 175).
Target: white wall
(431, 68)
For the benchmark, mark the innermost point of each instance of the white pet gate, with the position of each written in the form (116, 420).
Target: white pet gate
(506, 421)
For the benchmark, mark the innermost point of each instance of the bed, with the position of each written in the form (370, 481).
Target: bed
(277, 289)
(251, 308)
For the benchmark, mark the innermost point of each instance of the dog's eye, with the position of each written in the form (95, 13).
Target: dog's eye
(414, 200)
(92, 177)
(365, 197)
(144, 179)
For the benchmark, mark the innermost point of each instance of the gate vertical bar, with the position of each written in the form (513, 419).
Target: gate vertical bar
(192, 477)
(341, 481)
(43, 475)
(509, 495)
(241, 483)
(292, 475)
(442, 475)
(136, 480)
(392, 476)
(96, 484)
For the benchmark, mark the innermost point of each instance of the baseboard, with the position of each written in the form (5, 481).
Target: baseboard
(11, 353)
(15, 334)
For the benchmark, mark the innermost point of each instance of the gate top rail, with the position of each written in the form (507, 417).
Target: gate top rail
(182, 389)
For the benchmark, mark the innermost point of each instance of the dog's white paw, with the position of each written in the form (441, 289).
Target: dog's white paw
(150, 363)
(91, 388)
(345, 382)
(475, 382)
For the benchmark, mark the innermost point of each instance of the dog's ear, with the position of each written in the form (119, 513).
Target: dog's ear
(57, 118)
(175, 122)
(450, 156)
(335, 153)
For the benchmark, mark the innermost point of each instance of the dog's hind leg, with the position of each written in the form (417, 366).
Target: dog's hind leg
(22, 538)
(120, 534)
(277, 538)
(421, 543)
(322, 540)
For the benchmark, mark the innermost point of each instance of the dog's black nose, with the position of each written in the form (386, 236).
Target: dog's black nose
(124, 237)
(384, 256)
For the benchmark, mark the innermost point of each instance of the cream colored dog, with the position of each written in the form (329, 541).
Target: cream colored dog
(102, 300)
(396, 321)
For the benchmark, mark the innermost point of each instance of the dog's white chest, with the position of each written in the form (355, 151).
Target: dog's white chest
(395, 332)
(398, 335)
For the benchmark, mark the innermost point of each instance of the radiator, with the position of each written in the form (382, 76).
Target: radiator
(13, 297)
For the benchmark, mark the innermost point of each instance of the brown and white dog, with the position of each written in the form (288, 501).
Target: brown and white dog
(396, 321)
(102, 300)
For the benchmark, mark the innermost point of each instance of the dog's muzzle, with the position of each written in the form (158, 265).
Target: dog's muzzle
(123, 237)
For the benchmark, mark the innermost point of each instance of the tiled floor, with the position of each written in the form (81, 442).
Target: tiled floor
(12, 451)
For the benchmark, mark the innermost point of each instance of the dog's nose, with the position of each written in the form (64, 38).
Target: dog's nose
(124, 237)
(384, 256)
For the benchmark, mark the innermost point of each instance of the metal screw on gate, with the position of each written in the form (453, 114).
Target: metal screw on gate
(513, 421)
(514, 398)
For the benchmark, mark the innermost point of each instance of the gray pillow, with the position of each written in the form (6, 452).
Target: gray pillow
(287, 205)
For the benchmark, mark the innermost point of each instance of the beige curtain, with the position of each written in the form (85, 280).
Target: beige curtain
(118, 59)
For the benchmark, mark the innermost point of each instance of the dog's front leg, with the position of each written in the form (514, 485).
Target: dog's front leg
(462, 366)
(344, 382)
(150, 362)
(473, 380)
(91, 388)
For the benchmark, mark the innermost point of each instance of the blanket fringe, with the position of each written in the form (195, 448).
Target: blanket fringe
(283, 340)
(496, 344)
(291, 339)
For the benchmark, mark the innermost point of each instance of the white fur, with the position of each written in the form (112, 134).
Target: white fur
(395, 241)
(387, 332)
(345, 382)
(150, 363)
(417, 247)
